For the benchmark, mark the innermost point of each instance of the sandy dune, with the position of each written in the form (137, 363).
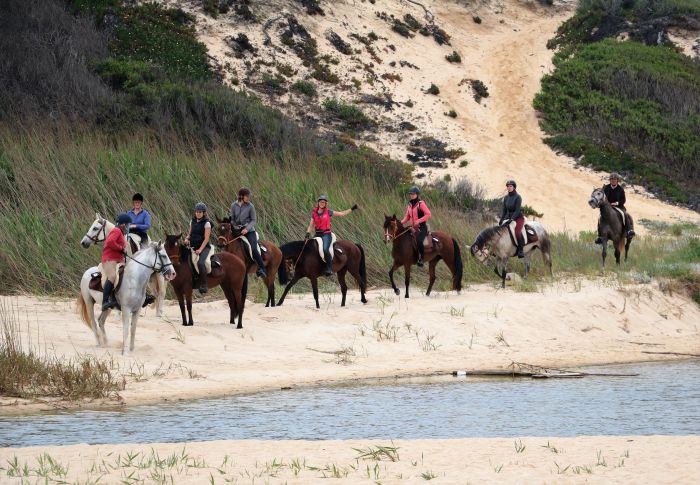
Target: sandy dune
(597, 459)
(585, 322)
(501, 136)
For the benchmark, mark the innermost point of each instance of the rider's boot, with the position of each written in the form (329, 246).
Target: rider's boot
(149, 299)
(203, 285)
(328, 271)
(521, 244)
(599, 240)
(108, 301)
(628, 227)
(260, 273)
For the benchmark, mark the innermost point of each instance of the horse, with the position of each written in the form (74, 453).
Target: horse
(230, 274)
(232, 242)
(497, 241)
(610, 225)
(302, 259)
(130, 294)
(98, 233)
(405, 253)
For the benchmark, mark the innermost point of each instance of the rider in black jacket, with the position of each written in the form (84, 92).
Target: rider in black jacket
(616, 196)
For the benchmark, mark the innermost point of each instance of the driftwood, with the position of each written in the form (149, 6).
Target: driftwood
(521, 369)
(671, 353)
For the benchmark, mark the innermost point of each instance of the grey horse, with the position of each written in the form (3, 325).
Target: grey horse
(131, 293)
(610, 225)
(496, 241)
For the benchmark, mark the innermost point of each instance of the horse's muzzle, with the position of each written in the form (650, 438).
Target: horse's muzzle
(170, 275)
(593, 203)
(86, 243)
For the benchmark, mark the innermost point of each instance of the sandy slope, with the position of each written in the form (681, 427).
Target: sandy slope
(596, 459)
(501, 136)
(584, 323)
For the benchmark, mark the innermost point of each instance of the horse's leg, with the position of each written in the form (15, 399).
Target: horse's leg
(189, 306)
(617, 252)
(240, 300)
(160, 297)
(431, 273)
(605, 249)
(407, 277)
(314, 288)
(232, 304)
(358, 279)
(134, 320)
(286, 289)
(126, 317)
(504, 265)
(181, 301)
(270, 290)
(627, 247)
(391, 277)
(343, 285)
(101, 320)
(527, 264)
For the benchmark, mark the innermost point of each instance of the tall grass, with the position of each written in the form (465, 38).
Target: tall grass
(27, 372)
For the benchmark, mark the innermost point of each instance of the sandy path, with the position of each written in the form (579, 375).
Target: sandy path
(597, 459)
(585, 322)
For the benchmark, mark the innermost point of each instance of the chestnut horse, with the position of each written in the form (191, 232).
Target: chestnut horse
(302, 259)
(228, 271)
(405, 253)
(232, 242)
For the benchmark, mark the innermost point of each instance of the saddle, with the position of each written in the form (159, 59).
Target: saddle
(331, 250)
(99, 278)
(529, 234)
(207, 264)
(430, 242)
(261, 249)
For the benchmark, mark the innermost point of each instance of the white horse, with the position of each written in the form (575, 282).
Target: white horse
(131, 293)
(496, 241)
(98, 233)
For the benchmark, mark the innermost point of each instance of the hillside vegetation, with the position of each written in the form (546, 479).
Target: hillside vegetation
(94, 107)
(632, 106)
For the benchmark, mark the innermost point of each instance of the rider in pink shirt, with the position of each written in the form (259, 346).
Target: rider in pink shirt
(418, 213)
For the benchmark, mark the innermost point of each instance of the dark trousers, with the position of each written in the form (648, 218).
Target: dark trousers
(420, 238)
(326, 238)
(252, 238)
(202, 260)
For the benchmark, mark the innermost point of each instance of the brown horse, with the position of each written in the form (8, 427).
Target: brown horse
(405, 253)
(228, 271)
(232, 242)
(302, 259)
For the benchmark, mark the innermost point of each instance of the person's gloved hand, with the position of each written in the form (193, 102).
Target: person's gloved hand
(354, 207)
(308, 235)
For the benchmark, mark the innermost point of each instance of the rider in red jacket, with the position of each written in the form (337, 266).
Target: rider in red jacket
(112, 256)
(418, 213)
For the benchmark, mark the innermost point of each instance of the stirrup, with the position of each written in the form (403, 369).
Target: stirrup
(420, 262)
(260, 273)
(630, 233)
(149, 299)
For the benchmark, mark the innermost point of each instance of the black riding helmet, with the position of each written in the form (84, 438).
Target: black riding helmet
(414, 190)
(123, 218)
(512, 182)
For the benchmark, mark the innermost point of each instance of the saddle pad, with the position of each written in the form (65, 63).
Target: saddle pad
(319, 242)
(531, 235)
(207, 263)
(621, 212)
(430, 241)
(136, 238)
(261, 249)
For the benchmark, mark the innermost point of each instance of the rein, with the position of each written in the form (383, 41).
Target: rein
(152, 268)
(394, 236)
(300, 253)
(226, 242)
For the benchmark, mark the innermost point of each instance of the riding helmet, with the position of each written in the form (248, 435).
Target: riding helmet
(123, 218)
(243, 191)
(137, 196)
(414, 190)
(512, 182)
(200, 206)
(323, 197)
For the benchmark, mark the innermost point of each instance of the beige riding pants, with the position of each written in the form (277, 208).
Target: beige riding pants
(110, 269)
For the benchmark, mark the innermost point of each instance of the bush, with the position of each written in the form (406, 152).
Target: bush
(433, 89)
(352, 116)
(451, 113)
(305, 87)
(454, 57)
(480, 90)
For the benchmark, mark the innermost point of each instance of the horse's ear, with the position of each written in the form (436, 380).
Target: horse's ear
(178, 236)
(218, 221)
(393, 217)
(97, 215)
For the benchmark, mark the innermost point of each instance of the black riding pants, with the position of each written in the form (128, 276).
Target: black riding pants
(420, 238)
(252, 238)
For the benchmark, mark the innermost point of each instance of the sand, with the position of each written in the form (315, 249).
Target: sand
(501, 135)
(596, 459)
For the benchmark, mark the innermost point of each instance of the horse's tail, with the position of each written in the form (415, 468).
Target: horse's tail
(282, 272)
(82, 310)
(363, 266)
(459, 268)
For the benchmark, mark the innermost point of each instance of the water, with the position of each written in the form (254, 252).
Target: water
(664, 399)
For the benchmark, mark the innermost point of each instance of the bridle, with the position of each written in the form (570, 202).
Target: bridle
(96, 238)
(393, 237)
(153, 267)
(222, 241)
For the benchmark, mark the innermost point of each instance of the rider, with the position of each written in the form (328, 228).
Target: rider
(198, 238)
(112, 256)
(616, 196)
(243, 218)
(512, 210)
(321, 222)
(140, 219)
(418, 213)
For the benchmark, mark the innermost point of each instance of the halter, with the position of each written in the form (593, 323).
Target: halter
(153, 268)
(96, 238)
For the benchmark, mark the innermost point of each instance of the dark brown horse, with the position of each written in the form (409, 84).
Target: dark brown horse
(405, 253)
(228, 271)
(302, 260)
(232, 242)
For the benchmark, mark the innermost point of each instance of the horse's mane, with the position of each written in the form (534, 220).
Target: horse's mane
(487, 234)
(292, 249)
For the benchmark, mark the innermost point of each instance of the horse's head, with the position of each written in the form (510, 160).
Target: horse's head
(172, 247)
(392, 226)
(164, 264)
(597, 199)
(480, 249)
(97, 232)
(224, 231)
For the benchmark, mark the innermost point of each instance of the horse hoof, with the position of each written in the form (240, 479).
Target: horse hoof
(397, 291)
(364, 300)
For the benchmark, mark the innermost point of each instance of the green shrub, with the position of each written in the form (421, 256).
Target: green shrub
(305, 87)
(350, 115)
(480, 90)
(433, 89)
(454, 57)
